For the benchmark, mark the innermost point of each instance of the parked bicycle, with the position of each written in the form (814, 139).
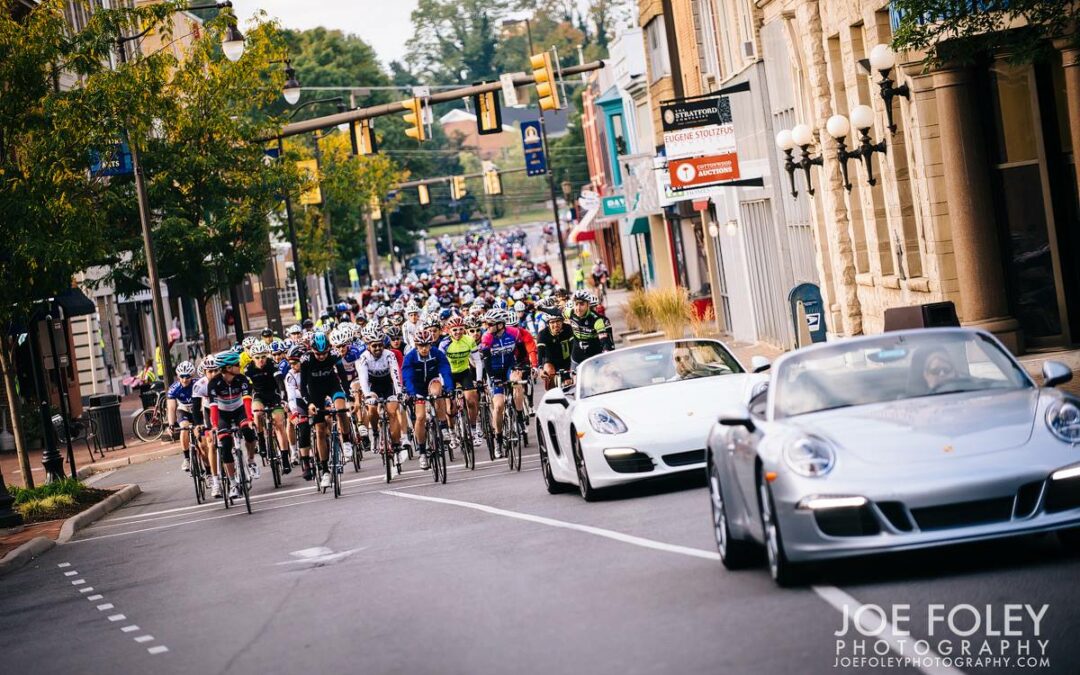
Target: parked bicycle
(150, 423)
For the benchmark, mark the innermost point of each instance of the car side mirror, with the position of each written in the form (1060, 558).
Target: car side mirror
(759, 364)
(1055, 373)
(737, 417)
(556, 396)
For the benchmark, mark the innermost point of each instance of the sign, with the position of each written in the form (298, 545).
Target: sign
(533, 144)
(488, 113)
(695, 128)
(309, 169)
(699, 171)
(614, 206)
(114, 161)
(589, 200)
(509, 91)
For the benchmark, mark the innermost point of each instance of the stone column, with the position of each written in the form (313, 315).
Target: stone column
(1070, 59)
(983, 303)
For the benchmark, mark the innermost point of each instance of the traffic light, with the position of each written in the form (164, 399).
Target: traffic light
(488, 113)
(457, 188)
(492, 181)
(376, 211)
(424, 193)
(546, 87)
(363, 138)
(414, 118)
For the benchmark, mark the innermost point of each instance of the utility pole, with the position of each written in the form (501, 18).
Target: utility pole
(301, 280)
(372, 245)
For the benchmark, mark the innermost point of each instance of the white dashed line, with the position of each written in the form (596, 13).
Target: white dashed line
(130, 629)
(144, 638)
(96, 596)
(78, 582)
(63, 565)
(71, 573)
(88, 589)
(113, 618)
(117, 617)
(107, 605)
(160, 649)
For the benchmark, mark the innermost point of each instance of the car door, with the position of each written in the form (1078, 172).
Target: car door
(557, 420)
(743, 448)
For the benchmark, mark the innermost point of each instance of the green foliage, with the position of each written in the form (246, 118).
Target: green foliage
(45, 508)
(68, 487)
(962, 32)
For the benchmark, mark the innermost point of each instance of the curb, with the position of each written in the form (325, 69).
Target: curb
(110, 464)
(21, 555)
(82, 520)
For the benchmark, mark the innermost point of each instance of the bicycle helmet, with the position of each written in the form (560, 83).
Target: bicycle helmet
(472, 323)
(454, 321)
(200, 371)
(393, 333)
(295, 329)
(259, 349)
(397, 319)
(226, 359)
(296, 353)
(248, 341)
(412, 309)
(373, 334)
(494, 316)
(267, 332)
(277, 347)
(519, 306)
(424, 336)
(338, 338)
(509, 317)
(585, 296)
(185, 369)
(320, 343)
(210, 362)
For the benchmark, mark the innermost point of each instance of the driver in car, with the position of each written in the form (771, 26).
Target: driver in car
(937, 368)
(686, 366)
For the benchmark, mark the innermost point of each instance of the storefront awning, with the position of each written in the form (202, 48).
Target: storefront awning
(640, 226)
(73, 302)
(583, 230)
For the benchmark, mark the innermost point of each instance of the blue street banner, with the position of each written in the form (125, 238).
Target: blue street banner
(533, 144)
(114, 161)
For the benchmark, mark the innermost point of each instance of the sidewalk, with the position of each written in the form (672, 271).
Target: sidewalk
(136, 452)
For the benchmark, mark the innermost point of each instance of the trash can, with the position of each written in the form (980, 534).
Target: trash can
(104, 409)
(150, 396)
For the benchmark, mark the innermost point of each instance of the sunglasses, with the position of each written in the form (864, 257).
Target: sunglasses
(940, 370)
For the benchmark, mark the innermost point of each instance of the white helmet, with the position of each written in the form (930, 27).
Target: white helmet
(260, 348)
(372, 333)
(185, 369)
(247, 342)
(338, 338)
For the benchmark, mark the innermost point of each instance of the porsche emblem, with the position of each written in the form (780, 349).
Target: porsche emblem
(947, 449)
(689, 413)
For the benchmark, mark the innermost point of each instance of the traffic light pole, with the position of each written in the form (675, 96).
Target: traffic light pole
(298, 273)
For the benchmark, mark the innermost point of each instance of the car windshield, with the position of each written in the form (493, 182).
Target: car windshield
(647, 365)
(892, 368)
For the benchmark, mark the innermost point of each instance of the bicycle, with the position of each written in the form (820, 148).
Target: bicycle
(269, 448)
(484, 416)
(381, 442)
(150, 423)
(435, 444)
(460, 425)
(513, 434)
(200, 474)
(359, 442)
(335, 464)
(243, 482)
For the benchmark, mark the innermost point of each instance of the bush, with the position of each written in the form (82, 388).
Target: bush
(46, 507)
(617, 280)
(671, 310)
(637, 312)
(69, 487)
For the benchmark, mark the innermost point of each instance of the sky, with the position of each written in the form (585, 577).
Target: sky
(384, 24)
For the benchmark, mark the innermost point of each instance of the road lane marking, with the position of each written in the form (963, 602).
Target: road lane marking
(88, 589)
(830, 594)
(160, 649)
(319, 555)
(117, 617)
(562, 524)
(107, 605)
(144, 638)
(843, 602)
(79, 582)
(96, 596)
(70, 573)
(129, 629)
(63, 564)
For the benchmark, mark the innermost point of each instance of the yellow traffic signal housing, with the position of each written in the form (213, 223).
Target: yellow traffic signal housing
(547, 88)
(424, 193)
(457, 188)
(414, 119)
(376, 210)
(363, 138)
(492, 181)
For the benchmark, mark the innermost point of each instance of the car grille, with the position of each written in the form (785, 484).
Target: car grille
(684, 458)
(1062, 495)
(847, 522)
(1027, 498)
(638, 462)
(964, 514)
(896, 515)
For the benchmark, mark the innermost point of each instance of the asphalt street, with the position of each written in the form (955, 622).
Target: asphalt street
(485, 574)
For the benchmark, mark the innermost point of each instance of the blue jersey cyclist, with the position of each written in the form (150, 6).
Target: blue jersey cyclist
(426, 372)
(179, 407)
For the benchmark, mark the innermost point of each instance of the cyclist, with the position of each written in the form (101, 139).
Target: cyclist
(412, 323)
(323, 379)
(465, 362)
(498, 347)
(380, 377)
(200, 404)
(426, 372)
(263, 374)
(554, 344)
(592, 331)
(341, 339)
(298, 411)
(267, 336)
(230, 405)
(178, 407)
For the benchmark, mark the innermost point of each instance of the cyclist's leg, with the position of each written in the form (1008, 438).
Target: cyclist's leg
(303, 440)
(517, 379)
(392, 412)
(259, 410)
(435, 388)
(419, 427)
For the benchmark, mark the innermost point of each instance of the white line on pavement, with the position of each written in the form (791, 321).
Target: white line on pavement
(843, 602)
(70, 573)
(86, 590)
(107, 605)
(831, 594)
(64, 564)
(160, 649)
(96, 596)
(117, 617)
(78, 582)
(144, 638)
(129, 629)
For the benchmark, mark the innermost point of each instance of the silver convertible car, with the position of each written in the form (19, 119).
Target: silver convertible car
(890, 442)
(636, 413)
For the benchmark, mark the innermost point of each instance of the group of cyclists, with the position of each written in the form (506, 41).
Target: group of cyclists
(486, 319)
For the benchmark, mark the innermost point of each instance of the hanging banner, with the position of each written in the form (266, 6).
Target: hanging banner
(699, 171)
(533, 144)
(309, 168)
(700, 127)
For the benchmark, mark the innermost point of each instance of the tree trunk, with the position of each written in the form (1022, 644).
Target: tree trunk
(15, 409)
(204, 324)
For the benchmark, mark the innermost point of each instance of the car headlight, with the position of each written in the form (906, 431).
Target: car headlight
(810, 456)
(1063, 420)
(606, 422)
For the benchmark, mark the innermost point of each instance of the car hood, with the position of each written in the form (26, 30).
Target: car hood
(923, 429)
(670, 406)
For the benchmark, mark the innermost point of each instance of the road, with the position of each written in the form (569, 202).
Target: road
(486, 574)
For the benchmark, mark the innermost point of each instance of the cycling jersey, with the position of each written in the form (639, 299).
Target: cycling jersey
(379, 376)
(499, 351)
(418, 371)
(349, 359)
(182, 395)
(525, 352)
(229, 399)
(556, 349)
(294, 393)
(199, 399)
(458, 352)
(592, 334)
(264, 382)
(322, 379)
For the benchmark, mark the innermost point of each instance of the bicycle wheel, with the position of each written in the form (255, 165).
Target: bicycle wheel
(358, 445)
(337, 464)
(386, 450)
(519, 441)
(197, 476)
(467, 450)
(275, 459)
(243, 483)
(509, 431)
(148, 425)
(489, 432)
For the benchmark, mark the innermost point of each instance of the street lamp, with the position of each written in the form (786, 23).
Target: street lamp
(862, 116)
(801, 136)
(291, 92)
(882, 59)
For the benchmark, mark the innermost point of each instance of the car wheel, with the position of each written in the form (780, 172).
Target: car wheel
(553, 486)
(734, 553)
(783, 571)
(588, 492)
(1070, 540)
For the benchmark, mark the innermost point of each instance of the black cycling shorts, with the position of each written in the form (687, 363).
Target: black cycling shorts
(466, 379)
(270, 400)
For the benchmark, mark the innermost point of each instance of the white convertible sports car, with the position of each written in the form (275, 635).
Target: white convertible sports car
(637, 413)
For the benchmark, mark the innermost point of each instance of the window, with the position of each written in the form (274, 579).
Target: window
(656, 42)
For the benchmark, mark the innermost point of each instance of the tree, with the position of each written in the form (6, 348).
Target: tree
(456, 41)
(961, 32)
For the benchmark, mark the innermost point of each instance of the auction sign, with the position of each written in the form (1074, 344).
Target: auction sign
(699, 171)
(698, 127)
